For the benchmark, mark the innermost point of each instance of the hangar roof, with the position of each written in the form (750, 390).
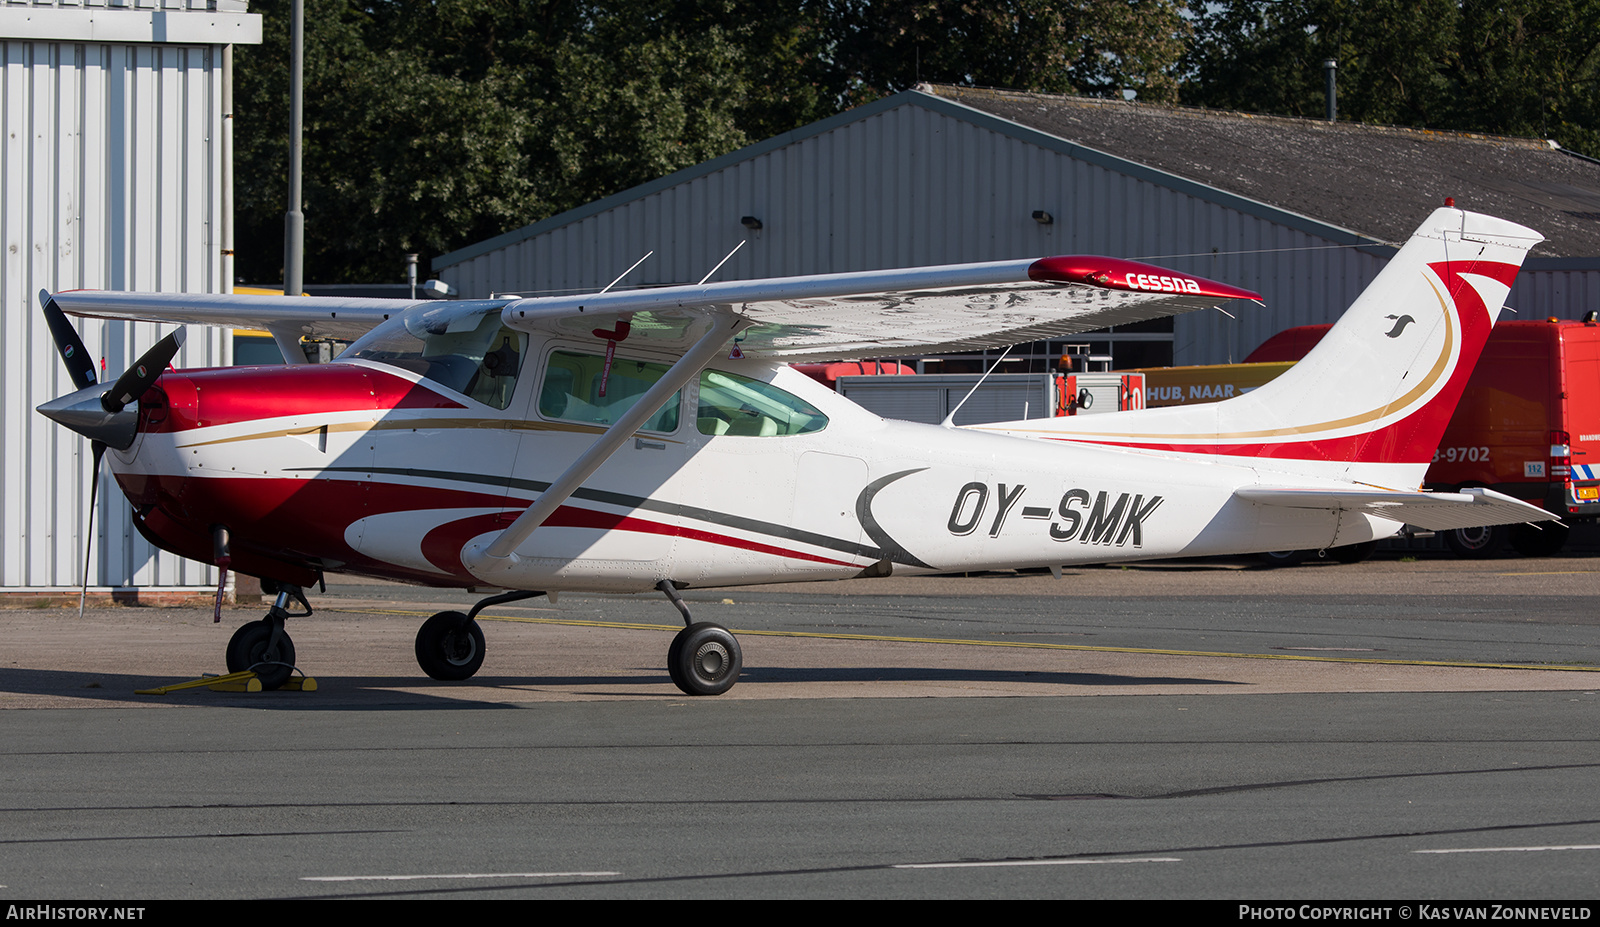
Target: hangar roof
(1349, 183)
(1373, 180)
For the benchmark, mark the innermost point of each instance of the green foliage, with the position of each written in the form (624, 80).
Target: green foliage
(432, 124)
(1081, 46)
(1532, 68)
(397, 157)
(1527, 67)
(1393, 55)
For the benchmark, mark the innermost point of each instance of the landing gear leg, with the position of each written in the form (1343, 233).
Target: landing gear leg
(450, 645)
(264, 646)
(704, 658)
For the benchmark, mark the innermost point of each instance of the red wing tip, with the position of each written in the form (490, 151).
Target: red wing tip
(1119, 274)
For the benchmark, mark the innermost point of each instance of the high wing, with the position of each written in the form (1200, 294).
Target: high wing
(881, 313)
(1435, 511)
(287, 318)
(317, 316)
(837, 316)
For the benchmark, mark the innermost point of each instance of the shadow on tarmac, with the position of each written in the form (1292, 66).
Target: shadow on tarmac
(402, 692)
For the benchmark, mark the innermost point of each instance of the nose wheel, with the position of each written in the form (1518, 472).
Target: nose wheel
(264, 646)
(704, 658)
(252, 647)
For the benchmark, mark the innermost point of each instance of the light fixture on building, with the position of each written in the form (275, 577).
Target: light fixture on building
(1043, 218)
(751, 223)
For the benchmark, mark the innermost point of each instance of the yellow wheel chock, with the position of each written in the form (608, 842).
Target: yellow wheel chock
(244, 681)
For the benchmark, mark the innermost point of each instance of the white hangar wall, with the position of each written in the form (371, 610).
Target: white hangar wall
(111, 177)
(926, 181)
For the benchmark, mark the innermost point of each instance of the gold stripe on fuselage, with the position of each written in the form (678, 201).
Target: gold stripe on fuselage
(424, 424)
(1363, 418)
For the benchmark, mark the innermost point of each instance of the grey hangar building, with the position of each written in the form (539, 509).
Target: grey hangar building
(1304, 212)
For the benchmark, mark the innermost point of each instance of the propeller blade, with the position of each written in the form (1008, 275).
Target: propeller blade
(143, 374)
(80, 366)
(88, 538)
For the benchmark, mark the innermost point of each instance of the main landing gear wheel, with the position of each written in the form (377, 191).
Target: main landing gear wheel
(1477, 543)
(1282, 558)
(450, 646)
(1353, 553)
(251, 648)
(1543, 540)
(704, 659)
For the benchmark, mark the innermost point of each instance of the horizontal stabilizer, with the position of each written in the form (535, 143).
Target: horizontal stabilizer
(1435, 511)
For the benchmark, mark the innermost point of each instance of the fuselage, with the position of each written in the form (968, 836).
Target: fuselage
(757, 475)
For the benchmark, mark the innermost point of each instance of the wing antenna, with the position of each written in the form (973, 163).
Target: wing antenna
(629, 271)
(722, 262)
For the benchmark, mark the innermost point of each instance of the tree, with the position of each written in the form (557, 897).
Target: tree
(397, 158)
(1521, 68)
(431, 124)
(1532, 68)
(1394, 58)
(1092, 46)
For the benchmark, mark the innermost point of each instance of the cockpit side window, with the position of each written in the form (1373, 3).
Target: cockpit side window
(581, 388)
(734, 405)
(476, 355)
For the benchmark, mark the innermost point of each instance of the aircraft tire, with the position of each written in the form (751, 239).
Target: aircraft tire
(1282, 558)
(1543, 541)
(1476, 543)
(704, 659)
(247, 649)
(449, 647)
(1353, 553)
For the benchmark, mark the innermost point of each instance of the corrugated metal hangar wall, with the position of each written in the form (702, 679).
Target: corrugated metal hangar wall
(918, 179)
(920, 182)
(110, 178)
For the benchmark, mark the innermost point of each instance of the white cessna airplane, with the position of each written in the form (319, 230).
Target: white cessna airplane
(658, 439)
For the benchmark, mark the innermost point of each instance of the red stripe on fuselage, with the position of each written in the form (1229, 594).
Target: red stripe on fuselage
(302, 521)
(572, 517)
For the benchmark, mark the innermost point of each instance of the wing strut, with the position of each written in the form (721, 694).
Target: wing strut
(500, 553)
(288, 341)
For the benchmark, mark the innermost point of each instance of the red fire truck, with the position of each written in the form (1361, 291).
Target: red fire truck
(1528, 425)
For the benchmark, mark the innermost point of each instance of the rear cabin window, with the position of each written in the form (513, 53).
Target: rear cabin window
(735, 405)
(579, 388)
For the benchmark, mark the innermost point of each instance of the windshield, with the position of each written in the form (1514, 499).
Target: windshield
(467, 350)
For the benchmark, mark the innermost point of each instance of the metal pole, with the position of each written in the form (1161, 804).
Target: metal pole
(294, 223)
(1330, 67)
(411, 273)
(227, 174)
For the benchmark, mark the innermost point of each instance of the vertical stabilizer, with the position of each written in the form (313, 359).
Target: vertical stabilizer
(1372, 399)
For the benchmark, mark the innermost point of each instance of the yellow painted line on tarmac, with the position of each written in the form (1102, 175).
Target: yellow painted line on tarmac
(1024, 645)
(575, 622)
